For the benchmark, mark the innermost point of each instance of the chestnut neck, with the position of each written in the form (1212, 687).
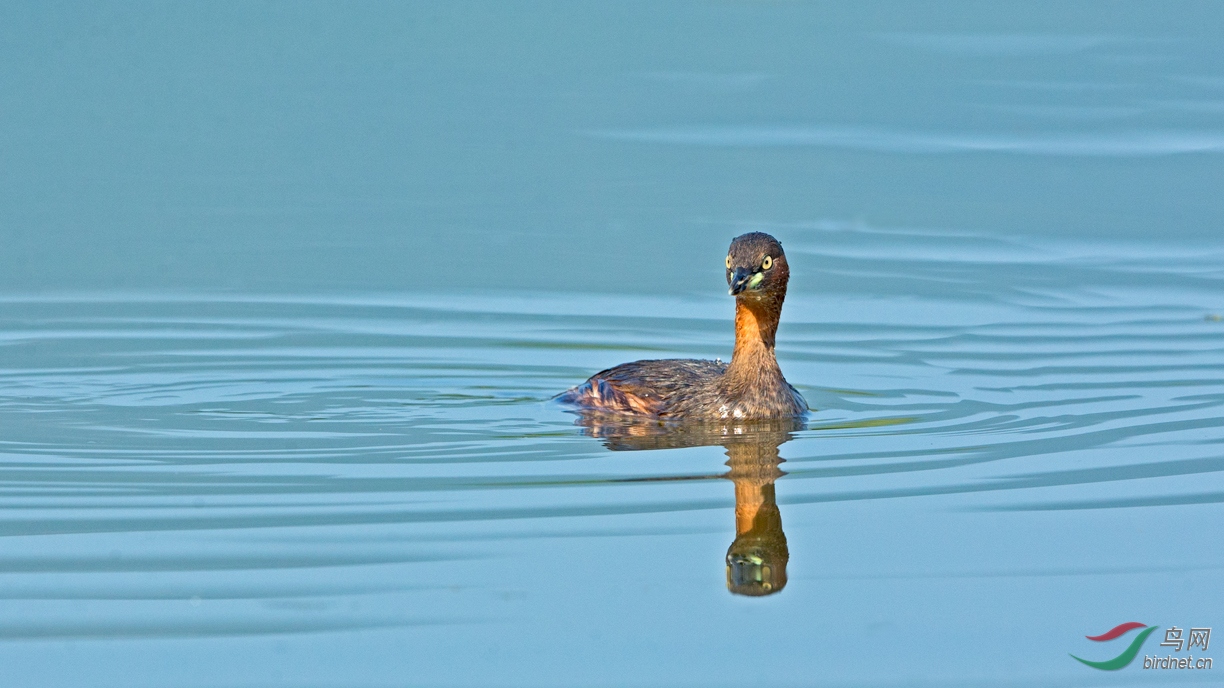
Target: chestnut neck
(756, 324)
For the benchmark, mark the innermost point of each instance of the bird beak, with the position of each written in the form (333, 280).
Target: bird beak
(739, 280)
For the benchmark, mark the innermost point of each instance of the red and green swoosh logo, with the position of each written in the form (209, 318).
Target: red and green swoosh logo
(1128, 654)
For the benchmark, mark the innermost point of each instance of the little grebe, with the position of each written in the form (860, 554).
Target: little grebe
(750, 387)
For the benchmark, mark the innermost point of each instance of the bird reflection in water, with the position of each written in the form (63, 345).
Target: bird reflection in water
(756, 560)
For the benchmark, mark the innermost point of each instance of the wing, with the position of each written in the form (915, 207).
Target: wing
(643, 387)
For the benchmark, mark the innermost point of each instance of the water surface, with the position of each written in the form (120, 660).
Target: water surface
(288, 291)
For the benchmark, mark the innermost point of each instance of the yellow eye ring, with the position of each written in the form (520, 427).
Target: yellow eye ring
(767, 263)
(728, 261)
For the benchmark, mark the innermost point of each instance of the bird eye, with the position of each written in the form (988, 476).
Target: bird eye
(767, 263)
(728, 261)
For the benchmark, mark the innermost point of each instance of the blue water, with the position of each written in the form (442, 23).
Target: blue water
(286, 291)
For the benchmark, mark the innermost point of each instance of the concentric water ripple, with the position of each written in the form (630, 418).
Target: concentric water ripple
(284, 465)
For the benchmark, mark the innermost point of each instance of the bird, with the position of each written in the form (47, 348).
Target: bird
(750, 387)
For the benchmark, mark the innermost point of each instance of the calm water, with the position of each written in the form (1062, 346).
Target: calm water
(286, 292)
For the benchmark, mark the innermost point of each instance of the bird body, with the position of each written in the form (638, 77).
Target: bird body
(750, 387)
